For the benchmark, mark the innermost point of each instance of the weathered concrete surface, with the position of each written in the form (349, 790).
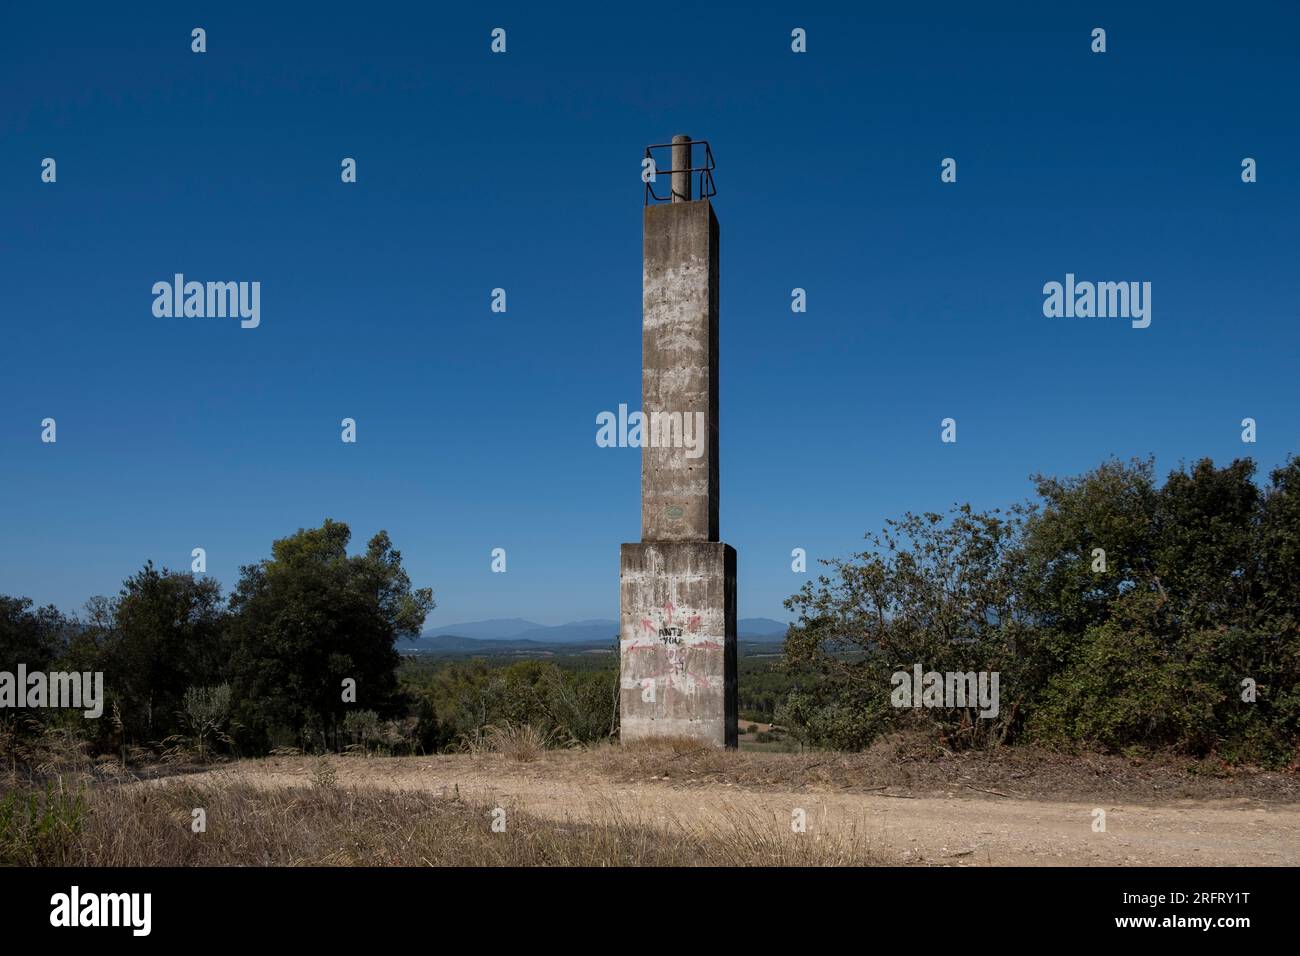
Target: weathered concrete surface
(679, 373)
(677, 640)
(677, 637)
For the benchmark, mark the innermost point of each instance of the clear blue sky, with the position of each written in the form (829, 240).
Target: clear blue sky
(477, 430)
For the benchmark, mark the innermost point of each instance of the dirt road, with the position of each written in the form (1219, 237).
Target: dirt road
(964, 828)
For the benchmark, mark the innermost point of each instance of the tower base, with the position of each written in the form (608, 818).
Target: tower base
(677, 641)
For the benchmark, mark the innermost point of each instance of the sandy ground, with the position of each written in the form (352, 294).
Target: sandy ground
(962, 828)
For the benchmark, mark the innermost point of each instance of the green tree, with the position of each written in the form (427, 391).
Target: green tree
(1152, 650)
(164, 633)
(206, 711)
(31, 637)
(934, 590)
(311, 617)
(1119, 612)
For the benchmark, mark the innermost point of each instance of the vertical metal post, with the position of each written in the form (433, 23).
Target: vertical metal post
(682, 168)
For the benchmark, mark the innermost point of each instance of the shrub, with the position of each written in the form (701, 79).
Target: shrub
(40, 827)
(1117, 613)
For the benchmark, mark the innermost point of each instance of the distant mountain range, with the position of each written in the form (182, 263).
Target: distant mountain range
(600, 631)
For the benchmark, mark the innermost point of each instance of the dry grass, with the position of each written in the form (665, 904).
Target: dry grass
(32, 750)
(911, 763)
(666, 802)
(136, 825)
(667, 744)
(521, 742)
(73, 810)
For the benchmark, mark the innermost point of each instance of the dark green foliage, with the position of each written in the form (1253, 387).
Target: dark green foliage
(934, 591)
(31, 637)
(765, 681)
(310, 618)
(456, 700)
(1197, 595)
(296, 626)
(166, 632)
(1195, 602)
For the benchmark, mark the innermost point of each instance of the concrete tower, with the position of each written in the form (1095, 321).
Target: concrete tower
(677, 639)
